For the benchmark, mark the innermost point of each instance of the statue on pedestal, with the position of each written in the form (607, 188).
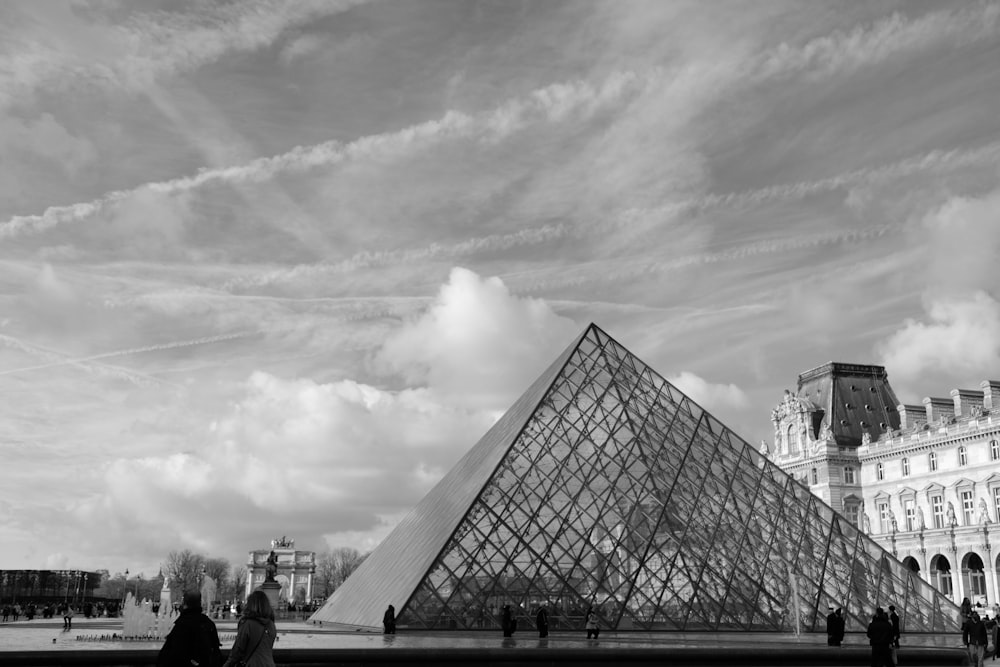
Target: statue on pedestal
(271, 568)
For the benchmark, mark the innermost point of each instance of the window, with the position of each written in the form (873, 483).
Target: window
(968, 508)
(994, 450)
(906, 467)
(937, 509)
(883, 517)
(879, 472)
(851, 511)
(848, 475)
(963, 456)
(996, 502)
(932, 461)
(910, 511)
(813, 476)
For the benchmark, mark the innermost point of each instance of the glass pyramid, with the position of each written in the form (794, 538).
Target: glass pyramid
(605, 486)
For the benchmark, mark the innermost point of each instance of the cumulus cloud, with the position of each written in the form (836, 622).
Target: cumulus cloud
(338, 460)
(477, 335)
(708, 395)
(961, 338)
(960, 335)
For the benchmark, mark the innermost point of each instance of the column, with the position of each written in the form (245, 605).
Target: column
(991, 580)
(956, 577)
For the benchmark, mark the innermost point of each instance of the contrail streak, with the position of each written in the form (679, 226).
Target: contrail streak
(83, 361)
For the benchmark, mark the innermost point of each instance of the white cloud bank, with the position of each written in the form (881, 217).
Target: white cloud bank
(960, 336)
(339, 459)
(708, 395)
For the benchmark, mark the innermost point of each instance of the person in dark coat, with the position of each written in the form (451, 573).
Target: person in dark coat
(255, 634)
(389, 621)
(894, 621)
(507, 622)
(880, 638)
(542, 622)
(831, 628)
(978, 639)
(841, 625)
(194, 639)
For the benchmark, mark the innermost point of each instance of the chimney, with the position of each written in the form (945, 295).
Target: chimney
(991, 394)
(965, 399)
(939, 409)
(911, 416)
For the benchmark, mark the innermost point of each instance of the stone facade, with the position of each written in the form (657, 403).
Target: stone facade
(923, 482)
(295, 570)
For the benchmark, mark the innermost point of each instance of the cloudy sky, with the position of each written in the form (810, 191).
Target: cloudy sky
(270, 268)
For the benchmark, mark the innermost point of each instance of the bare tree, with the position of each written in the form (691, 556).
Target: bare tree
(183, 568)
(334, 566)
(218, 569)
(238, 582)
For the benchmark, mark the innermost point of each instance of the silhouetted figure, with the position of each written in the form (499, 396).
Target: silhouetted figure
(880, 638)
(841, 624)
(590, 621)
(832, 628)
(542, 622)
(389, 621)
(507, 622)
(194, 639)
(894, 621)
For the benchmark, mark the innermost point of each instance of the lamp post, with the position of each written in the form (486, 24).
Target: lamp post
(138, 580)
(124, 586)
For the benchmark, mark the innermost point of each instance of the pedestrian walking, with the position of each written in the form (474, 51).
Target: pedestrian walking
(978, 639)
(68, 617)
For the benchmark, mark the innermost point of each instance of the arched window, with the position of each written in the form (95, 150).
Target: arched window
(906, 467)
(932, 461)
(941, 574)
(963, 456)
(973, 577)
(880, 472)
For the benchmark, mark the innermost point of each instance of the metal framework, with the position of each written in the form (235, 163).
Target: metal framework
(604, 486)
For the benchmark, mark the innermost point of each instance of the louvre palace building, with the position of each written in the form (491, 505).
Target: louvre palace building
(923, 481)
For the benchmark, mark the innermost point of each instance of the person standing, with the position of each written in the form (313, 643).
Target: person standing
(389, 621)
(194, 639)
(255, 634)
(590, 621)
(67, 617)
(894, 621)
(880, 638)
(542, 622)
(507, 622)
(831, 628)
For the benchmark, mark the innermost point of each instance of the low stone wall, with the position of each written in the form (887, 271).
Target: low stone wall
(594, 656)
